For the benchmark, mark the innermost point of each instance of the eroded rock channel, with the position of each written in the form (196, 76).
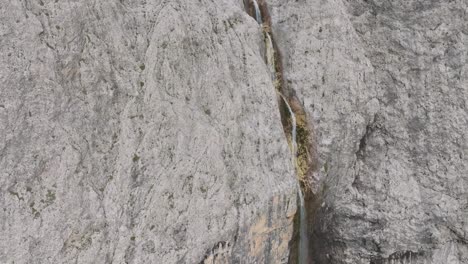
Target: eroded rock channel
(297, 129)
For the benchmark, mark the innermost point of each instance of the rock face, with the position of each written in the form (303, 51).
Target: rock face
(149, 131)
(139, 132)
(385, 84)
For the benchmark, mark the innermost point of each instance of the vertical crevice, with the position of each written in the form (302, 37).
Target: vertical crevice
(297, 129)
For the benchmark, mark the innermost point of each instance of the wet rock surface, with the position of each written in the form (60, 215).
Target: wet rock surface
(385, 84)
(149, 131)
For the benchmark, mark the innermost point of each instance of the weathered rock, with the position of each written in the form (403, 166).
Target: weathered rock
(385, 85)
(139, 132)
(149, 131)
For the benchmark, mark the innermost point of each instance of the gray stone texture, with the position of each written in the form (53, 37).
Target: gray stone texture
(149, 132)
(385, 85)
(139, 132)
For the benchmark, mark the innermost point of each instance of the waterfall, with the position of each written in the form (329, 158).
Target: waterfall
(303, 239)
(293, 130)
(270, 54)
(258, 15)
(271, 60)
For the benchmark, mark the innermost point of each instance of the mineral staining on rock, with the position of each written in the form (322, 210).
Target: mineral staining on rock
(391, 75)
(148, 131)
(301, 159)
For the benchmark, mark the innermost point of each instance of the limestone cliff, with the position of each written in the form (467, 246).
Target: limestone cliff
(385, 83)
(139, 132)
(151, 131)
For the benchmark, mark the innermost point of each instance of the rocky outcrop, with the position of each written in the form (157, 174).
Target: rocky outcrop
(385, 84)
(149, 131)
(140, 132)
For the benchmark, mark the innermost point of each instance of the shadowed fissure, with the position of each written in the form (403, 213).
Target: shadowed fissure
(297, 130)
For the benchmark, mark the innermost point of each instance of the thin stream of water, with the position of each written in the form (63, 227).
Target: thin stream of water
(258, 15)
(303, 239)
(293, 130)
(270, 57)
(270, 54)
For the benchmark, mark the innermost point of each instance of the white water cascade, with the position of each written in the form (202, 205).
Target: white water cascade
(303, 239)
(293, 130)
(258, 15)
(270, 54)
(270, 59)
